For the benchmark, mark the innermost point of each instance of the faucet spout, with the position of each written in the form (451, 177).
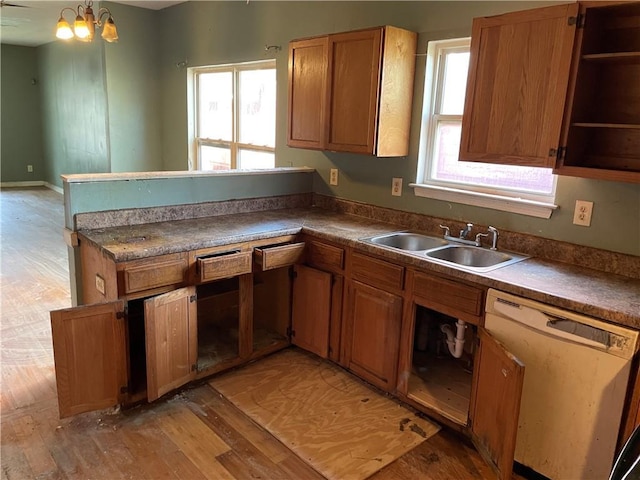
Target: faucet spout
(465, 231)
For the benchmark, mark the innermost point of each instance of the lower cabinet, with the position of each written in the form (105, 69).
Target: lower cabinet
(452, 367)
(144, 346)
(374, 318)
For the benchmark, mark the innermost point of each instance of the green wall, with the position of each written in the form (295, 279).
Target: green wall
(20, 124)
(207, 33)
(123, 106)
(74, 109)
(133, 86)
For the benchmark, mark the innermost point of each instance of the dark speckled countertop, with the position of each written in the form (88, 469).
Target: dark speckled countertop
(606, 296)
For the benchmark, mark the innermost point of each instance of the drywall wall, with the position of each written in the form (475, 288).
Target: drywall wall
(20, 124)
(74, 109)
(210, 33)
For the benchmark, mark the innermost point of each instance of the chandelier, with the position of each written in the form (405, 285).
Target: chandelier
(85, 24)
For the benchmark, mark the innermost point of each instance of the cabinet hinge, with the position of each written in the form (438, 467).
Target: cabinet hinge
(290, 332)
(193, 298)
(578, 21)
(124, 389)
(293, 274)
(553, 152)
(561, 153)
(194, 367)
(121, 314)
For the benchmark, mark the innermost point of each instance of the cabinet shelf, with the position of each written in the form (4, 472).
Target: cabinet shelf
(606, 125)
(614, 57)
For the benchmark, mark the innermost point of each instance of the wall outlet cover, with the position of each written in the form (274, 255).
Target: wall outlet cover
(396, 187)
(333, 177)
(582, 213)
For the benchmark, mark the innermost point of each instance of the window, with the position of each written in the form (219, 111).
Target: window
(234, 119)
(527, 190)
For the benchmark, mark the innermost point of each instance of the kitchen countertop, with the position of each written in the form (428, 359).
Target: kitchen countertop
(606, 296)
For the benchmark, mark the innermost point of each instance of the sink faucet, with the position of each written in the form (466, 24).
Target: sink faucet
(463, 234)
(465, 231)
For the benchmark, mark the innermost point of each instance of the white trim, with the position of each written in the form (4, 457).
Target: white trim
(486, 200)
(37, 183)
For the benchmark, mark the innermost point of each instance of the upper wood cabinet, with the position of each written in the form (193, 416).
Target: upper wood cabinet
(557, 87)
(353, 91)
(518, 76)
(601, 137)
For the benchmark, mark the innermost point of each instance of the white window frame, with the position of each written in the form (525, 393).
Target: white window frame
(505, 199)
(234, 145)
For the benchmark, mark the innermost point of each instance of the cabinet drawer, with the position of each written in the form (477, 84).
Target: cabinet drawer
(276, 256)
(223, 265)
(323, 256)
(154, 274)
(377, 272)
(460, 299)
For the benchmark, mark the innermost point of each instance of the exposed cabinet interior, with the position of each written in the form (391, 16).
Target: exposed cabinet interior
(218, 323)
(603, 130)
(438, 380)
(271, 309)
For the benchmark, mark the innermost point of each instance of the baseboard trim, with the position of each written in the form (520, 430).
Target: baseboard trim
(38, 183)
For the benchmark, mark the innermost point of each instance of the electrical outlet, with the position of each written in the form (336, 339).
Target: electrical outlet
(396, 187)
(582, 213)
(30, 168)
(333, 177)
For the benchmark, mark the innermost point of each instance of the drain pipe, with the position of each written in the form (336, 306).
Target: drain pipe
(455, 342)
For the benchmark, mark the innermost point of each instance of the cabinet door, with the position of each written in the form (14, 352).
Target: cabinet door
(518, 77)
(307, 92)
(495, 403)
(375, 318)
(311, 313)
(354, 83)
(90, 357)
(171, 340)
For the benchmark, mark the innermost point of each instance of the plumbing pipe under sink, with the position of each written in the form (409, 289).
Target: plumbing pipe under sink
(455, 342)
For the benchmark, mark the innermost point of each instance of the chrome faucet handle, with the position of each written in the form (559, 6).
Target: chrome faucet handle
(446, 230)
(479, 236)
(465, 231)
(496, 234)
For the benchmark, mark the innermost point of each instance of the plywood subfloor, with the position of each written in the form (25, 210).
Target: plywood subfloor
(340, 426)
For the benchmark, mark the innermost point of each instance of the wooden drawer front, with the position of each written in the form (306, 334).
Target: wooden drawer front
(155, 274)
(223, 265)
(270, 257)
(323, 256)
(456, 296)
(377, 272)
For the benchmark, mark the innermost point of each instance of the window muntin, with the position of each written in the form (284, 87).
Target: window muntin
(445, 87)
(235, 116)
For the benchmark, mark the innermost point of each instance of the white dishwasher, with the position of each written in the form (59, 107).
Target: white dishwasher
(575, 382)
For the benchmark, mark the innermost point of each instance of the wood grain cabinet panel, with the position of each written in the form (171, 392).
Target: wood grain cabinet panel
(90, 357)
(517, 84)
(450, 297)
(152, 273)
(324, 256)
(378, 273)
(367, 78)
(374, 318)
(557, 87)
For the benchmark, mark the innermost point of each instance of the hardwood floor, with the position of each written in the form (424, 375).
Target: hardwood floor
(195, 434)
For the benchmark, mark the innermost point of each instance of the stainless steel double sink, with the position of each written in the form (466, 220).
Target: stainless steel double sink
(438, 250)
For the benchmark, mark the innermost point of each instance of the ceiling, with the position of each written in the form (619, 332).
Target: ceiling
(32, 23)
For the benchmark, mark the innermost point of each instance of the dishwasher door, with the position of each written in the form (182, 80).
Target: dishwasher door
(575, 383)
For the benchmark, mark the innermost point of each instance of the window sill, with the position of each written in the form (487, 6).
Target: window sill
(486, 200)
